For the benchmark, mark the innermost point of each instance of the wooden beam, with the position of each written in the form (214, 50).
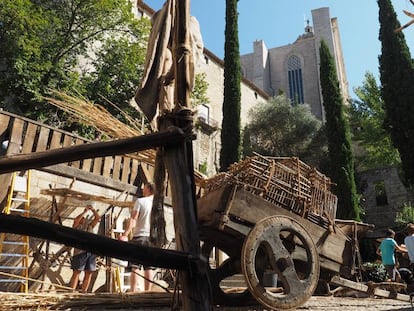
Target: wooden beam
(91, 178)
(101, 245)
(169, 137)
(82, 196)
(337, 280)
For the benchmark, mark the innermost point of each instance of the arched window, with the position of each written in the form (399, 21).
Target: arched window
(294, 68)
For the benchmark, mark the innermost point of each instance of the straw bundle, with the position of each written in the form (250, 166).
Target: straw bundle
(79, 301)
(96, 116)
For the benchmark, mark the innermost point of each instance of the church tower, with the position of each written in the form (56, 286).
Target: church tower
(293, 69)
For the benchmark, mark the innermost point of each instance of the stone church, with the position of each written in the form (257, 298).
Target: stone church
(294, 68)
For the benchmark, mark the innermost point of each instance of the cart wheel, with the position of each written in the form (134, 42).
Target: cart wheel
(280, 247)
(229, 267)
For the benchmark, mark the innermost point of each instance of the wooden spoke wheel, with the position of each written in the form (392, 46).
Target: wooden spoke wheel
(228, 268)
(280, 247)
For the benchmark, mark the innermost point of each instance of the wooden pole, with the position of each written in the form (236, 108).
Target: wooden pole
(179, 163)
(98, 244)
(34, 160)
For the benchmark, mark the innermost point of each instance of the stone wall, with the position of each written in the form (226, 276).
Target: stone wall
(208, 143)
(383, 196)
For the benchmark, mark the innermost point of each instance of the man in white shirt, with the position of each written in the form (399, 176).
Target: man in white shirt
(140, 224)
(409, 244)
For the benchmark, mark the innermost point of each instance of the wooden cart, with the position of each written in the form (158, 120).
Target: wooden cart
(274, 219)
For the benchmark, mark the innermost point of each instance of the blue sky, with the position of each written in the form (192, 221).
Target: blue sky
(280, 22)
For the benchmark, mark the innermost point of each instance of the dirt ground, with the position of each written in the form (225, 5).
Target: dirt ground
(343, 304)
(90, 302)
(354, 304)
(315, 304)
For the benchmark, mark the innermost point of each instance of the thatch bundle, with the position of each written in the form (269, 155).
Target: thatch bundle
(80, 301)
(86, 112)
(95, 115)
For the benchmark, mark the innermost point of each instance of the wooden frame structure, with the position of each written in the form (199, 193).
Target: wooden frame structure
(175, 137)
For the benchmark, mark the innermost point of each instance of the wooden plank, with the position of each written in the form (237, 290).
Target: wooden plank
(134, 171)
(86, 165)
(107, 167)
(148, 170)
(116, 168)
(5, 179)
(55, 140)
(97, 165)
(126, 169)
(42, 139)
(334, 246)
(15, 141)
(4, 123)
(71, 172)
(29, 138)
(211, 207)
(337, 280)
(78, 142)
(81, 196)
(67, 142)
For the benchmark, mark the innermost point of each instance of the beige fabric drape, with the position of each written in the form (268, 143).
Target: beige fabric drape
(155, 95)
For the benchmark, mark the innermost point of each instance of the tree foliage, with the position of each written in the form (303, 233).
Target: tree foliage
(341, 168)
(118, 68)
(231, 125)
(49, 44)
(404, 216)
(397, 80)
(278, 128)
(367, 118)
(199, 92)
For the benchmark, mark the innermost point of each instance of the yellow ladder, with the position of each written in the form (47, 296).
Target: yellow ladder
(14, 250)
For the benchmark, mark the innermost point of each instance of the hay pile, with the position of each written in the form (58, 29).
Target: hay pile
(95, 115)
(80, 301)
(83, 111)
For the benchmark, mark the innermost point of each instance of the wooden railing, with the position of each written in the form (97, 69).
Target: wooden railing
(22, 135)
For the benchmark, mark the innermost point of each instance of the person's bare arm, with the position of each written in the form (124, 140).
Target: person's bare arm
(96, 218)
(131, 225)
(78, 219)
(401, 248)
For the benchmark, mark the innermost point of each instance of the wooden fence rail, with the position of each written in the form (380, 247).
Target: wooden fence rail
(22, 135)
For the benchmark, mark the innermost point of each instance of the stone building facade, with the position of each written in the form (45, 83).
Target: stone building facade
(384, 195)
(209, 115)
(294, 68)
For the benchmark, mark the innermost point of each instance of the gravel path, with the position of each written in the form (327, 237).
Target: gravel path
(18, 301)
(318, 303)
(354, 304)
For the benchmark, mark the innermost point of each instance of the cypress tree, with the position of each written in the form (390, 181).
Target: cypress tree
(341, 168)
(230, 128)
(397, 79)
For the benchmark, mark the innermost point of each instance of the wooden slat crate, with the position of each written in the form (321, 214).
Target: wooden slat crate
(285, 182)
